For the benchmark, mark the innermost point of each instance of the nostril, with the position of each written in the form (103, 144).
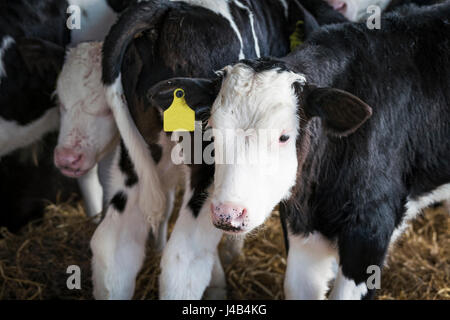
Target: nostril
(77, 159)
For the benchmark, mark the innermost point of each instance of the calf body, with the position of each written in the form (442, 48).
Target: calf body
(152, 42)
(350, 172)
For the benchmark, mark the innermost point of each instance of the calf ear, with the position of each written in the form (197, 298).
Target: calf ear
(199, 94)
(298, 13)
(42, 57)
(341, 112)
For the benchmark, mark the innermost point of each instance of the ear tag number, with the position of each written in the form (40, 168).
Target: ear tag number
(179, 116)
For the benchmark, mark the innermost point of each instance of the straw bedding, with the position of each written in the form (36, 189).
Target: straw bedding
(33, 263)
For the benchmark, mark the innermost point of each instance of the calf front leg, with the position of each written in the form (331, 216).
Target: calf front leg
(188, 259)
(309, 267)
(92, 192)
(118, 247)
(118, 244)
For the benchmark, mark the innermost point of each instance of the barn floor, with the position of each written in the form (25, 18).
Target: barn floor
(33, 263)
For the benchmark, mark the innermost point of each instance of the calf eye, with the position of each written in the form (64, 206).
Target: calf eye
(284, 138)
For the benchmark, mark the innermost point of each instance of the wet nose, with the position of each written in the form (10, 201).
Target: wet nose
(68, 158)
(229, 217)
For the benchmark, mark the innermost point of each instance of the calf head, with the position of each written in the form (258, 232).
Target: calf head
(259, 116)
(88, 129)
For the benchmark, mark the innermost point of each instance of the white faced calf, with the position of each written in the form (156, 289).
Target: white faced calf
(88, 130)
(256, 118)
(88, 133)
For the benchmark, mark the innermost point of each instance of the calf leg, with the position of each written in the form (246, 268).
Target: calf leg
(118, 247)
(188, 259)
(362, 245)
(346, 289)
(118, 244)
(91, 191)
(309, 267)
(161, 237)
(217, 287)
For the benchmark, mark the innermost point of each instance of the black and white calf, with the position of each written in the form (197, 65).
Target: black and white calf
(152, 42)
(88, 135)
(362, 125)
(33, 38)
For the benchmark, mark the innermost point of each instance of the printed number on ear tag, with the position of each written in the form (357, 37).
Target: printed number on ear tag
(179, 116)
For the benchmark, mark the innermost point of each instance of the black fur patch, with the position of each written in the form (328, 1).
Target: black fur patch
(119, 201)
(38, 27)
(127, 166)
(156, 151)
(353, 190)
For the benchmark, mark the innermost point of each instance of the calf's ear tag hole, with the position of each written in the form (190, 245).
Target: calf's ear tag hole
(179, 93)
(179, 116)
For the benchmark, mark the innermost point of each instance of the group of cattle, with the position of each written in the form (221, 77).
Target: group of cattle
(361, 120)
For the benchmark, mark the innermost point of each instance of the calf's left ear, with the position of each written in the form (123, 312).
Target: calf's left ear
(41, 57)
(341, 112)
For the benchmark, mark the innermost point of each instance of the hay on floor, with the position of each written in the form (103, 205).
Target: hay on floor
(33, 264)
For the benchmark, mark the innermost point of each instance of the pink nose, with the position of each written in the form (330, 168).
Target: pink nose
(68, 159)
(229, 217)
(338, 5)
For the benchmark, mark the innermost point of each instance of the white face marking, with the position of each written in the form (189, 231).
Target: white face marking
(219, 7)
(87, 123)
(356, 10)
(263, 106)
(6, 43)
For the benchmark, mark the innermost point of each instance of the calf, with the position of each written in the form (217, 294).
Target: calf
(33, 38)
(88, 134)
(348, 172)
(151, 42)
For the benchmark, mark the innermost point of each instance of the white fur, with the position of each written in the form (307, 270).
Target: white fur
(188, 259)
(6, 43)
(92, 192)
(14, 136)
(285, 7)
(118, 244)
(220, 7)
(346, 289)
(309, 267)
(356, 10)
(87, 123)
(261, 104)
(151, 200)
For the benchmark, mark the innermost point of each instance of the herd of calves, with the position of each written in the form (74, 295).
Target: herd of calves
(301, 104)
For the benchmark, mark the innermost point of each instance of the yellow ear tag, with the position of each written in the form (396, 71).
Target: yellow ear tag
(179, 116)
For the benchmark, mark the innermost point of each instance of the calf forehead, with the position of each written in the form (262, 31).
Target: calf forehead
(250, 99)
(80, 79)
